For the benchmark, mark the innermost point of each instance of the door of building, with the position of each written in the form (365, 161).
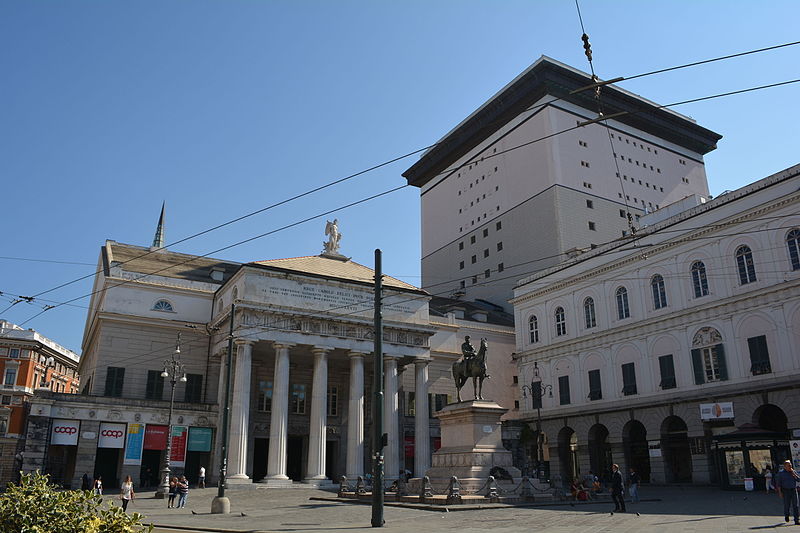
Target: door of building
(260, 454)
(294, 458)
(106, 465)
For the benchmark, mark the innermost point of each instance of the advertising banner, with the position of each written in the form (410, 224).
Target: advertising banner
(133, 448)
(794, 447)
(111, 435)
(408, 445)
(716, 411)
(180, 435)
(155, 437)
(65, 432)
(199, 440)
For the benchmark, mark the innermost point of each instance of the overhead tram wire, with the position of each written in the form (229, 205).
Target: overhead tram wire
(239, 243)
(398, 158)
(587, 48)
(730, 93)
(369, 303)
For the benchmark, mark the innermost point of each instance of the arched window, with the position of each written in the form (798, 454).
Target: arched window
(744, 263)
(623, 309)
(235, 293)
(163, 305)
(699, 280)
(561, 322)
(793, 243)
(533, 328)
(659, 291)
(588, 313)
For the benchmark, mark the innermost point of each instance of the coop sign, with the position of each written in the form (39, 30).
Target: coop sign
(716, 411)
(65, 432)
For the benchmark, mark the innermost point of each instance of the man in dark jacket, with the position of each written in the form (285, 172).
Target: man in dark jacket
(786, 485)
(617, 484)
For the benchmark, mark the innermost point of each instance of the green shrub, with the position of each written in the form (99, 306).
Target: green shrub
(37, 506)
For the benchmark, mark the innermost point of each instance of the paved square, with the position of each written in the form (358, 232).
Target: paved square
(678, 510)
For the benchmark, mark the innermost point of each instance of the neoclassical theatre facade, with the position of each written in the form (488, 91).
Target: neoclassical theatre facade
(303, 368)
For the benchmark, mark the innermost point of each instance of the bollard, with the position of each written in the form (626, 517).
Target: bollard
(402, 487)
(360, 485)
(425, 489)
(454, 491)
(343, 486)
(525, 491)
(491, 492)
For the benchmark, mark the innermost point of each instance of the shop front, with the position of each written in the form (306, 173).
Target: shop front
(743, 456)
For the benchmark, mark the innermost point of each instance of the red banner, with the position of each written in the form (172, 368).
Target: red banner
(180, 435)
(409, 446)
(437, 443)
(155, 437)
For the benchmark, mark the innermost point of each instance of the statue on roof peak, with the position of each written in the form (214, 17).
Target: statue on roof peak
(331, 247)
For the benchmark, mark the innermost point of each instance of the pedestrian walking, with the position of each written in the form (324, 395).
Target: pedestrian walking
(126, 492)
(633, 485)
(617, 489)
(173, 491)
(98, 485)
(183, 491)
(768, 478)
(201, 479)
(786, 485)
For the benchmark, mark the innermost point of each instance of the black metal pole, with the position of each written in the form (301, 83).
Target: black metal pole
(223, 463)
(377, 403)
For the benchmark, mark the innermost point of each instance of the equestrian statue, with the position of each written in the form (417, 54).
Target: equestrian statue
(473, 365)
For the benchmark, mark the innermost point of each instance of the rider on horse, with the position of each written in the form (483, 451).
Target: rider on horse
(467, 349)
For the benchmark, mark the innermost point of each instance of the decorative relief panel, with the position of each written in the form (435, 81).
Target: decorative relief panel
(315, 326)
(706, 336)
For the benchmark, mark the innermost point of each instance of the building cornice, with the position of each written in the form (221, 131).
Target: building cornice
(549, 77)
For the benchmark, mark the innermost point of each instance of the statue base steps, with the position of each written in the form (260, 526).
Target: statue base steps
(472, 448)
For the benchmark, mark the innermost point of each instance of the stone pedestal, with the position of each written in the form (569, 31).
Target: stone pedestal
(471, 446)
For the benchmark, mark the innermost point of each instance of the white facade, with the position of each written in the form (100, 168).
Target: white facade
(502, 200)
(710, 315)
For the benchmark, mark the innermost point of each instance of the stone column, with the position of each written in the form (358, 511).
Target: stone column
(422, 439)
(279, 419)
(240, 413)
(318, 422)
(355, 417)
(390, 421)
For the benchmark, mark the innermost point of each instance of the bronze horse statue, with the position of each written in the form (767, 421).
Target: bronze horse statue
(473, 367)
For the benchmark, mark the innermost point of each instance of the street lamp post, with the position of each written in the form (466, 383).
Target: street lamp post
(537, 390)
(174, 370)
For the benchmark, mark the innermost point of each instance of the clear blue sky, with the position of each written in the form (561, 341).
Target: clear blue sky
(222, 107)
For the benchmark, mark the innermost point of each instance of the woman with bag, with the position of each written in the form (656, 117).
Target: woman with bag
(173, 491)
(126, 492)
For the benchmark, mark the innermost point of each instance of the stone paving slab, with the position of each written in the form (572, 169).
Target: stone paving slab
(679, 510)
